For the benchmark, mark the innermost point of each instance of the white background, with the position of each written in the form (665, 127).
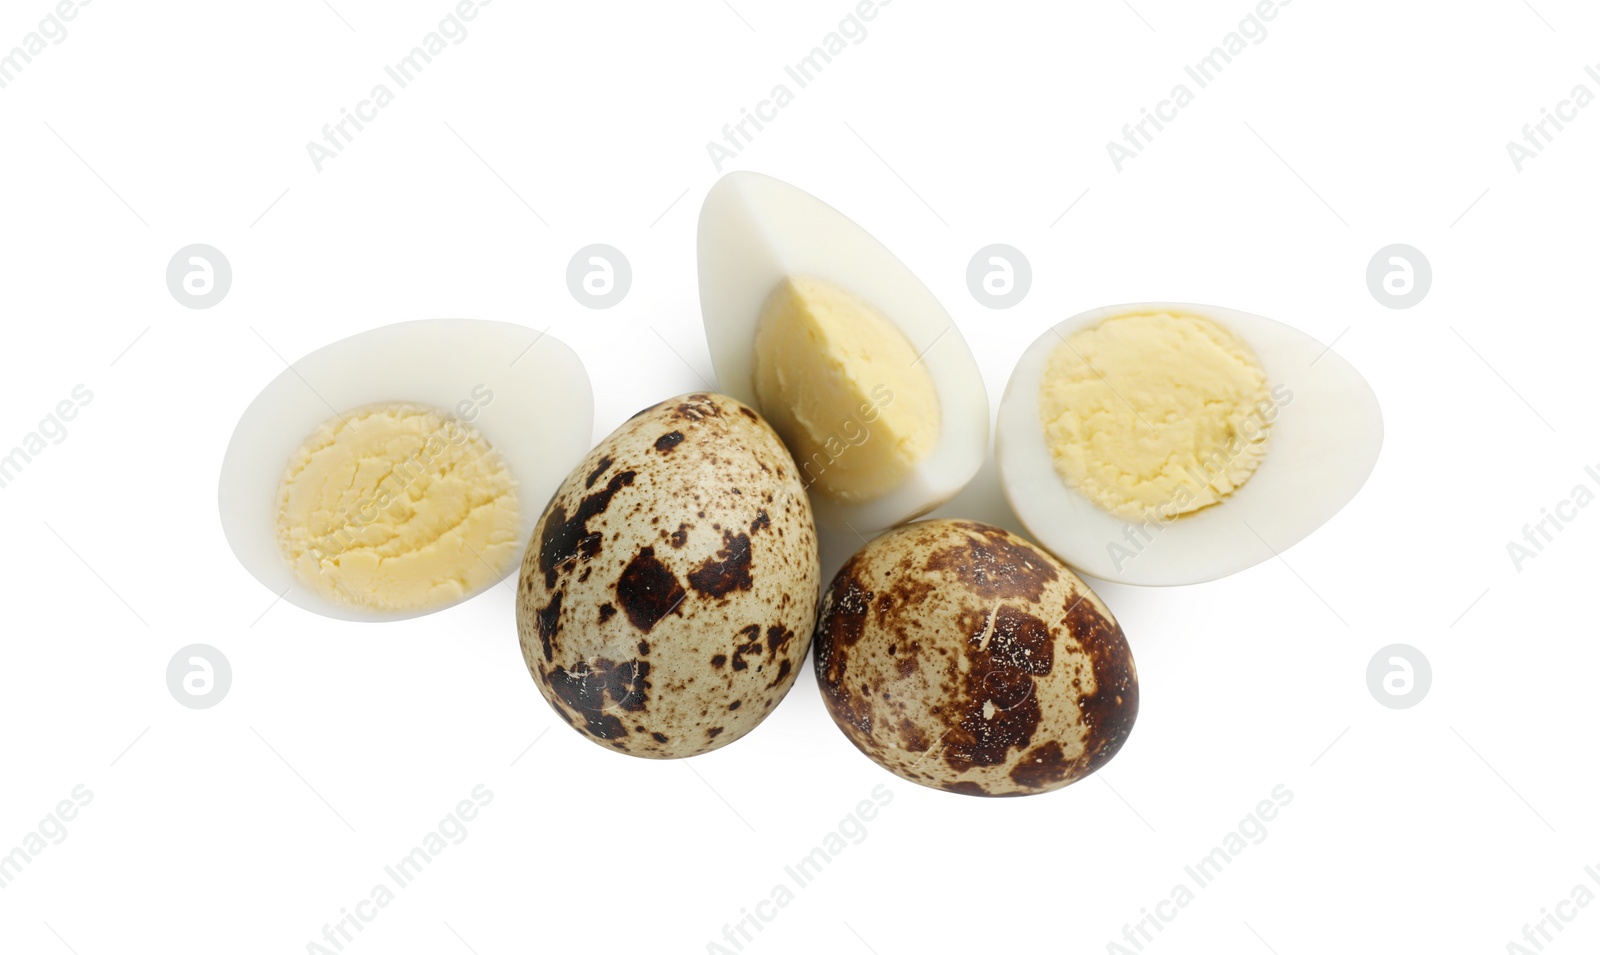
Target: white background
(249, 826)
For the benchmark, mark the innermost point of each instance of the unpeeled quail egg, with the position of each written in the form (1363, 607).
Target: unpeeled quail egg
(961, 657)
(669, 591)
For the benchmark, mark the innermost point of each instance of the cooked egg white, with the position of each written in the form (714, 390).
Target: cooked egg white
(359, 483)
(832, 338)
(1190, 463)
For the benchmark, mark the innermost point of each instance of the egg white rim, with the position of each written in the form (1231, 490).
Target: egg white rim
(1323, 446)
(743, 254)
(434, 362)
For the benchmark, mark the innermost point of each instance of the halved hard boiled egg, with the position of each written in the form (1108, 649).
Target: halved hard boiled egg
(401, 471)
(842, 349)
(1163, 444)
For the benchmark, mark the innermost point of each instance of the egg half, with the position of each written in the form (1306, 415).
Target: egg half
(852, 359)
(1236, 489)
(478, 417)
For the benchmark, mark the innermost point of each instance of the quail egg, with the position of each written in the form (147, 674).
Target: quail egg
(1163, 444)
(669, 590)
(397, 472)
(961, 657)
(861, 371)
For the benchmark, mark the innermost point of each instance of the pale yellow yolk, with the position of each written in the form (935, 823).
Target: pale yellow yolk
(1152, 416)
(397, 508)
(845, 390)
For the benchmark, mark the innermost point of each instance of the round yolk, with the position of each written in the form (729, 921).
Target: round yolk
(397, 508)
(1154, 416)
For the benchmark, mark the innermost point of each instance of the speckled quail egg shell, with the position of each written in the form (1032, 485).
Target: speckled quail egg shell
(436, 362)
(756, 231)
(668, 593)
(961, 657)
(1322, 447)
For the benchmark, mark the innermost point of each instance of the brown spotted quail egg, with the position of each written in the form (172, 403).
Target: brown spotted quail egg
(961, 657)
(669, 590)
